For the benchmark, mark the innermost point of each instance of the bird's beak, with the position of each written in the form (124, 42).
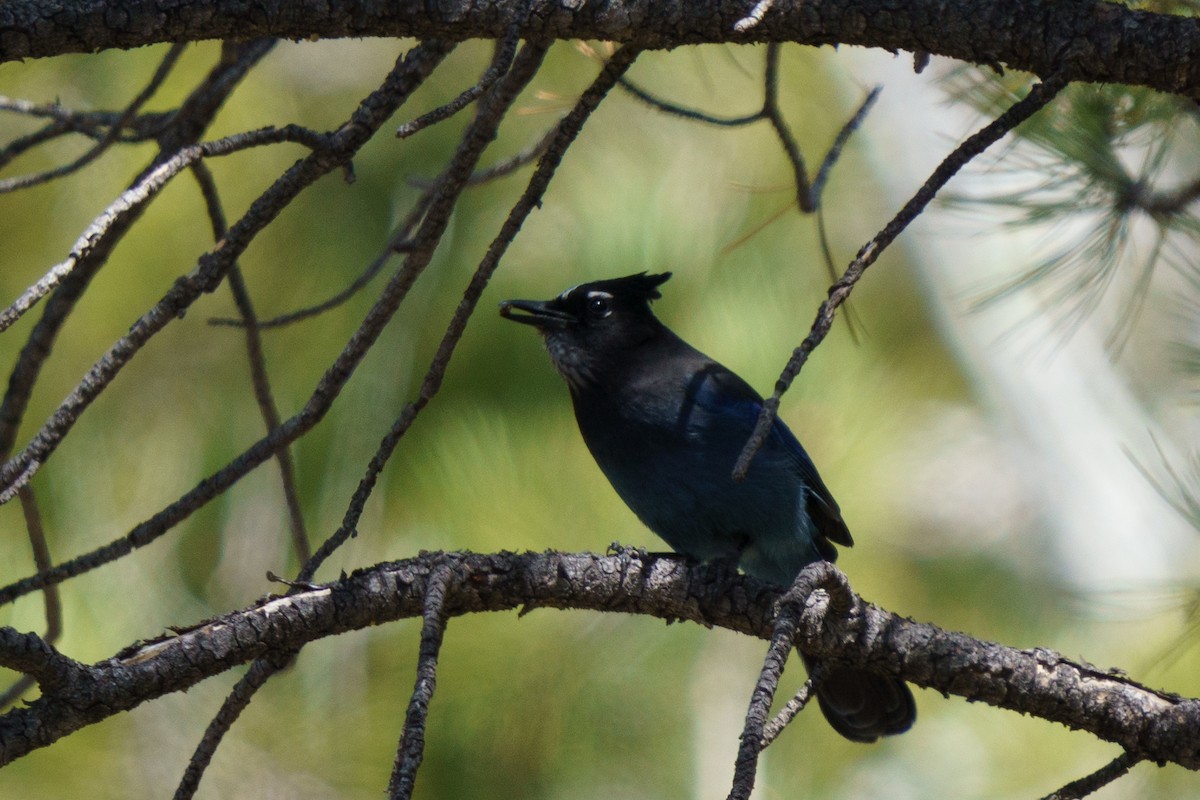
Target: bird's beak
(540, 313)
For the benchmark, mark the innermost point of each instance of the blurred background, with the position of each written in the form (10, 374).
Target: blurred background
(1005, 470)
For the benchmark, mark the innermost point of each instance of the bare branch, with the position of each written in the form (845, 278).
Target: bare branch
(807, 193)
(401, 240)
(259, 378)
(793, 707)
(398, 242)
(829, 580)
(839, 142)
(515, 162)
(565, 134)
(51, 600)
(441, 198)
(33, 656)
(1150, 724)
(261, 671)
(409, 72)
(667, 107)
(506, 48)
(185, 127)
(1090, 40)
(335, 150)
(110, 138)
(411, 749)
(805, 198)
(975, 144)
(1088, 784)
(95, 125)
(131, 203)
(783, 637)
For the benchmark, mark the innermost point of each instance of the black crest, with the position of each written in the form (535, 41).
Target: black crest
(640, 285)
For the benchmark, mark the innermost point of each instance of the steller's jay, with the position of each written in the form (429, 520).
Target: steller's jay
(666, 424)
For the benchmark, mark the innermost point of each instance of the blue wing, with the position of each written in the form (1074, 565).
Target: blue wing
(719, 392)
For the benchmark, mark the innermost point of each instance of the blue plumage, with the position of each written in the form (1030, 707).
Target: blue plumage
(665, 424)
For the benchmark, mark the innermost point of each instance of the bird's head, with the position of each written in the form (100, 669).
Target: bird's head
(592, 326)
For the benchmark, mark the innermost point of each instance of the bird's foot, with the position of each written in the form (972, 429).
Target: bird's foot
(618, 549)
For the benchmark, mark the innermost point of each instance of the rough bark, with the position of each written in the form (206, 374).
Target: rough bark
(1082, 40)
(833, 624)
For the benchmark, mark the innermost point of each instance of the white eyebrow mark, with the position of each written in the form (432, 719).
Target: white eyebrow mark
(598, 293)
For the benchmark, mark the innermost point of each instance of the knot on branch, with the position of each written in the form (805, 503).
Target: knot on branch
(824, 610)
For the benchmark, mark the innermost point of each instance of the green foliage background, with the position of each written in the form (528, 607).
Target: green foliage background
(551, 705)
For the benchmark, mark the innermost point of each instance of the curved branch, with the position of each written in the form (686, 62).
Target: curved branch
(1082, 40)
(1149, 724)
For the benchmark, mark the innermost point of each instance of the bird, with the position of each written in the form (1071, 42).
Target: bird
(665, 423)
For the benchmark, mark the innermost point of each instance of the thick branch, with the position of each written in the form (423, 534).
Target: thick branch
(1147, 723)
(1082, 40)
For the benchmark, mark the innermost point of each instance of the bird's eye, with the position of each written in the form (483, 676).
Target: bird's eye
(599, 307)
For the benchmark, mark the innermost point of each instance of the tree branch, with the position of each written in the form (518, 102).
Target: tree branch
(1149, 724)
(334, 150)
(411, 750)
(839, 293)
(1082, 41)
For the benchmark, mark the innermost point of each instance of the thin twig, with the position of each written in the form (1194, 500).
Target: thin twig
(334, 151)
(753, 737)
(515, 162)
(52, 603)
(565, 134)
(178, 129)
(839, 142)
(93, 124)
(668, 107)
(821, 575)
(492, 110)
(799, 701)
(1038, 97)
(805, 198)
(400, 241)
(408, 74)
(259, 377)
(110, 138)
(98, 238)
(1078, 789)
(411, 749)
(448, 189)
(47, 133)
(397, 243)
(283, 435)
(131, 203)
(42, 560)
(235, 703)
(807, 195)
(502, 58)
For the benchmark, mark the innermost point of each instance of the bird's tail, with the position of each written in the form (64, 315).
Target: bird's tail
(862, 705)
